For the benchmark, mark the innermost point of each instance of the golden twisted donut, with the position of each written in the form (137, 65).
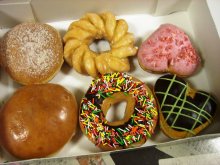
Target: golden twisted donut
(92, 27)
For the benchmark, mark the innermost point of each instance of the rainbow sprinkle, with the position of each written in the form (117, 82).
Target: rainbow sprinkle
(93, 120)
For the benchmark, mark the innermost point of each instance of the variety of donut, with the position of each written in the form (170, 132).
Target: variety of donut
(32, 53)
(91, 27)
(140, 116)
(184, 111)
(169, 49)
(38, 120)
(35, 116)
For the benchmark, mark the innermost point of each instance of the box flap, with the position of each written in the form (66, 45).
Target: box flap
(214, 6)
(50, 10)
(208, 41)
(171, 6)
(13, 12)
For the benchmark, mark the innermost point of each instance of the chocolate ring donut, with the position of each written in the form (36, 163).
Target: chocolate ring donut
(140, 115)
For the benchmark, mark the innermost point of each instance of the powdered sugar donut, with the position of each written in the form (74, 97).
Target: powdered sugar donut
(169, 49)
(32, 53)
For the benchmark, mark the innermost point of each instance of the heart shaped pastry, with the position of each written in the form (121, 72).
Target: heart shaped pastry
(183, 111)
(169, 49)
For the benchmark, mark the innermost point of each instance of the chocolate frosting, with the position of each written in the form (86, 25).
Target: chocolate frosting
(140, 124)
(182, 110)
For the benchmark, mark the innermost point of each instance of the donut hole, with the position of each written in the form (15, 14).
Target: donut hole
(116, 112)
(118, 108)
(99, 45)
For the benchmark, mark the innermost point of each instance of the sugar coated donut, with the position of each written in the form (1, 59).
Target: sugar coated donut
(91, 27)
(169, 49)
(38, 120)
(32, 53)
(140, 116)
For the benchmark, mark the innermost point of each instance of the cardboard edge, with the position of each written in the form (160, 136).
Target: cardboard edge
(214, 6)
(73, 9)
(13, 12)
(176, 142)
(171, 6)
(205, 29)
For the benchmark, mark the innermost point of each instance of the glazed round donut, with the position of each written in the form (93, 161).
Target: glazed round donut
(38, 120)
(140, 116)
(32, 53)
(92, 27)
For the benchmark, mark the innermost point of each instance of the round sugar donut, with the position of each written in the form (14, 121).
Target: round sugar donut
(32, 53)
(140, 116)
(92, 27)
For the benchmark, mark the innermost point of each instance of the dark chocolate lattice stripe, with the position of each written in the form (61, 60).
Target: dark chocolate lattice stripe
(168, 90)
(202, 109)
(183, 102)
(184, 116)
(170, 85)
(207, 95)
(175, 104)
(193, 105)
(179, 82)
(191, 110)
(183, 108)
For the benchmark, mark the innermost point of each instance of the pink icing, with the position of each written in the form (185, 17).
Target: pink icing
(169, 49)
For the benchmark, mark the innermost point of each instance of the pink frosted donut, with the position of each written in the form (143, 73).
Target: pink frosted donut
(169, 49)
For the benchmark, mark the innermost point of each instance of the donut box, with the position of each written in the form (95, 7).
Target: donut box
(198, 18)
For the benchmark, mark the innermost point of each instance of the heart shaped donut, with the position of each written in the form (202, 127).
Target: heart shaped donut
(184, 111)
(168, 49)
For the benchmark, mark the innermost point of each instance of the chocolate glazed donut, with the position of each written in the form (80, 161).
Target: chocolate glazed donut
(140, 114)
(183, 111)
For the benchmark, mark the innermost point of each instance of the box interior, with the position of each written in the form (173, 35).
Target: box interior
(143, 17)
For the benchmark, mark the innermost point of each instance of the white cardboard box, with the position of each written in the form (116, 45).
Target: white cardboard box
(198, 18)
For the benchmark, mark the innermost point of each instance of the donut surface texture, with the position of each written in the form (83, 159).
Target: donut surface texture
(38, 120)
(92, 27)
(184, 111)
(139, 119)
(169, 49)
(32, 53)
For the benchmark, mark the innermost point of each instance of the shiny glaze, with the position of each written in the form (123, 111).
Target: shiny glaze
(38, 120)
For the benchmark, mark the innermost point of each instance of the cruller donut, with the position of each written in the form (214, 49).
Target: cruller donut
(140, 116)
(90, 27)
